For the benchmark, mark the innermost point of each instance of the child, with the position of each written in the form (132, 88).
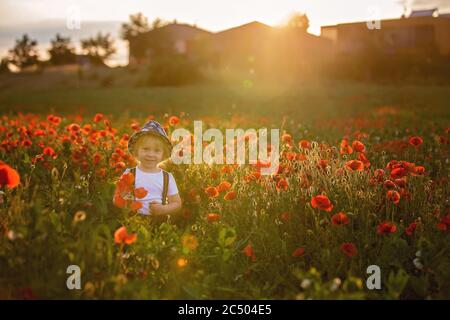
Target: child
(150, 146)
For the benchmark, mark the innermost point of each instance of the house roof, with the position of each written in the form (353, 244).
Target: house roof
(250, 25)
(184, 26)
(423, 13)
(404, 20)
(180, 30)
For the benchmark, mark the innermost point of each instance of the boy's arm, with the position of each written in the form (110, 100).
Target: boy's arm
(172, 207)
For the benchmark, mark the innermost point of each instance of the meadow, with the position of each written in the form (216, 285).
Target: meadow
(363, 181)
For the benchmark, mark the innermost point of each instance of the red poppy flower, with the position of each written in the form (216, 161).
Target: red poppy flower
(355, 165)
(282, 185)
(322, 202)
(135, 126)
(214, 174)
(122, 237)
(27, 143)
(405, 194)
(358, 146)
(322, 164)
(140, 193)
(411, 228)
(349, 249)
(298, 252)
(54, 119)
(418, 171)
(212, 192)
(212, 217)
(388, 184)
(173, 121)
(119, 201)
(286, 138)
(96, 158)
(98, 117)
(87, 128)
(228, 169)
(125, 184)
(101, 172)
(285, 216)
(120, 166)
(386, 228)
(136, 205)
(230, 195)
(249, 252)
(48, 151)
(74, 127)
(304, 144)
(398, 173)
(193, 194)
(255, 175)
(415, 141)
(289, 155)
(8, 176)
(401, 182)
(339, 219)
(379, 173)
(223, 186)
(345, 147)
(393, 196)
(391, 164)
(363, 158)
(444, 223)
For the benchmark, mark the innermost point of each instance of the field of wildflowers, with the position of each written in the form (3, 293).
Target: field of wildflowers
(377, 194)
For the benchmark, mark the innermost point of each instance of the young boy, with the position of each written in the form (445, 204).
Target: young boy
(150, 146)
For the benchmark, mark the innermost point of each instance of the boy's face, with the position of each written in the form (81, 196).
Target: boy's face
(150, 151)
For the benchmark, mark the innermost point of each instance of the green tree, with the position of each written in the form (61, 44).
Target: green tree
(158, 23)
(141, 41)
(298, 21)
(4, 66)
(25, 53)
(61, 51)
(99, 48)
(138, 24)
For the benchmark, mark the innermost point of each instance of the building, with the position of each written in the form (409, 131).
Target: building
(423, 32)
(253, 45)
(181, 39)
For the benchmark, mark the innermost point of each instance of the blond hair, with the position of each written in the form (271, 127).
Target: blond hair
(140, 140)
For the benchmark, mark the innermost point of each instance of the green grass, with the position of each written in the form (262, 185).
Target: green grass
(66, 95)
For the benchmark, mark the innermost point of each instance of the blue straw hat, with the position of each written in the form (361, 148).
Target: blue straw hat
(151, 127)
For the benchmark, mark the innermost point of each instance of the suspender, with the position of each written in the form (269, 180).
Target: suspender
(165, 184)
(165, 187)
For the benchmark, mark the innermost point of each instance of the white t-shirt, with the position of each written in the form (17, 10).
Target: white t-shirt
(153, 183)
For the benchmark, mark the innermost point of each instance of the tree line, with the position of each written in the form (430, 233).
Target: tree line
(25, 52)
(99, 48)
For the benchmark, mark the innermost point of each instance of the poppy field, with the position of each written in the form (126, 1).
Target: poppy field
(352, 191)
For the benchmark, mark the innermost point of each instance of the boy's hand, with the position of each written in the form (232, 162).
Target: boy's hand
(157, 208)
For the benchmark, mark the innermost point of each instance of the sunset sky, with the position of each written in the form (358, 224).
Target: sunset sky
(40, 18)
